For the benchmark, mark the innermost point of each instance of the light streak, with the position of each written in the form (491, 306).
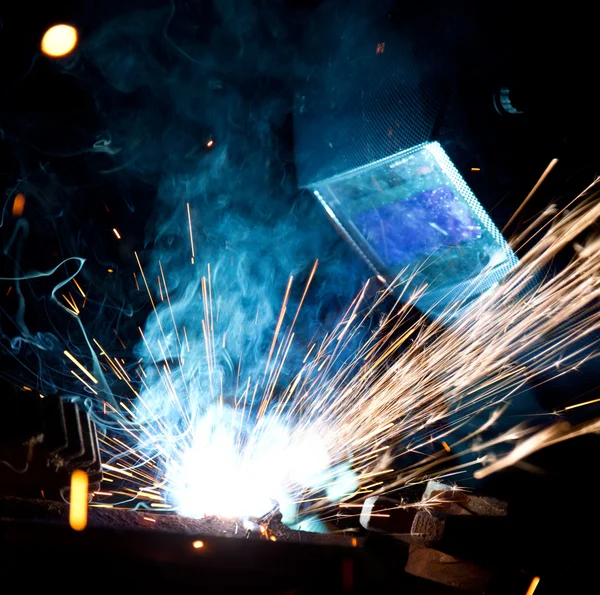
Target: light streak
(531, 193)
(117, 470)
(582, 404)
(533, 586)
(119, 339)
(117, 234)
(80, 366)
(91, 388)
(279, 322)
(78, 287)
(72, 305)
(190, 227)
(78, 500)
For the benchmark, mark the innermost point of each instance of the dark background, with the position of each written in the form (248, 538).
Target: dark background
(251, 64)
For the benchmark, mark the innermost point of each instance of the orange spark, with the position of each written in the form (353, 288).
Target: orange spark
(80, 366)
(119, 338)
(533, 191)
(78, 500)
(533, 585)
(79, 287)
(582, 404)
(18, 205)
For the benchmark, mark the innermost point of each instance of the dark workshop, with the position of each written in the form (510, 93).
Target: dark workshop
(237, 357)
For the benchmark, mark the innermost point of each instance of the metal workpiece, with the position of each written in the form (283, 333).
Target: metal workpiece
(456, 538)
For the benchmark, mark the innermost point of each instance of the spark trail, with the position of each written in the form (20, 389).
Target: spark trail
(344, 426)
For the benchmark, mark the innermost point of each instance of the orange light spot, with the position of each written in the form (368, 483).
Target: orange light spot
(475, 169)
(110, 271)
(59, 40)
(78, 500)
(18, 205)
(210, 143)
(198, 544)
(533, 585)
(446, 447)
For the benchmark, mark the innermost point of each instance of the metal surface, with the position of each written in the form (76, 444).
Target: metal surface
(133, 554)
(456, 539)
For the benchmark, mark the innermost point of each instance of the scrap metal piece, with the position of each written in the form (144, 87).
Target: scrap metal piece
(455, 538)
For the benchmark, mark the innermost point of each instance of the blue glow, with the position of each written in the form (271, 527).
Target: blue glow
(413, 213)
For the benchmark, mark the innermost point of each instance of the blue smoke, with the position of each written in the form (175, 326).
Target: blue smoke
(200, 113)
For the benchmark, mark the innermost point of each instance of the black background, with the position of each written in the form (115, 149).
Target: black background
(547, 57)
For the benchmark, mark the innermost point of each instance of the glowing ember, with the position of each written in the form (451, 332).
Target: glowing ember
(59, 40)
(78, 500)
(18, 205)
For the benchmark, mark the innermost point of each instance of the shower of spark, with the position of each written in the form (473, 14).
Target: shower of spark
(339, 432)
